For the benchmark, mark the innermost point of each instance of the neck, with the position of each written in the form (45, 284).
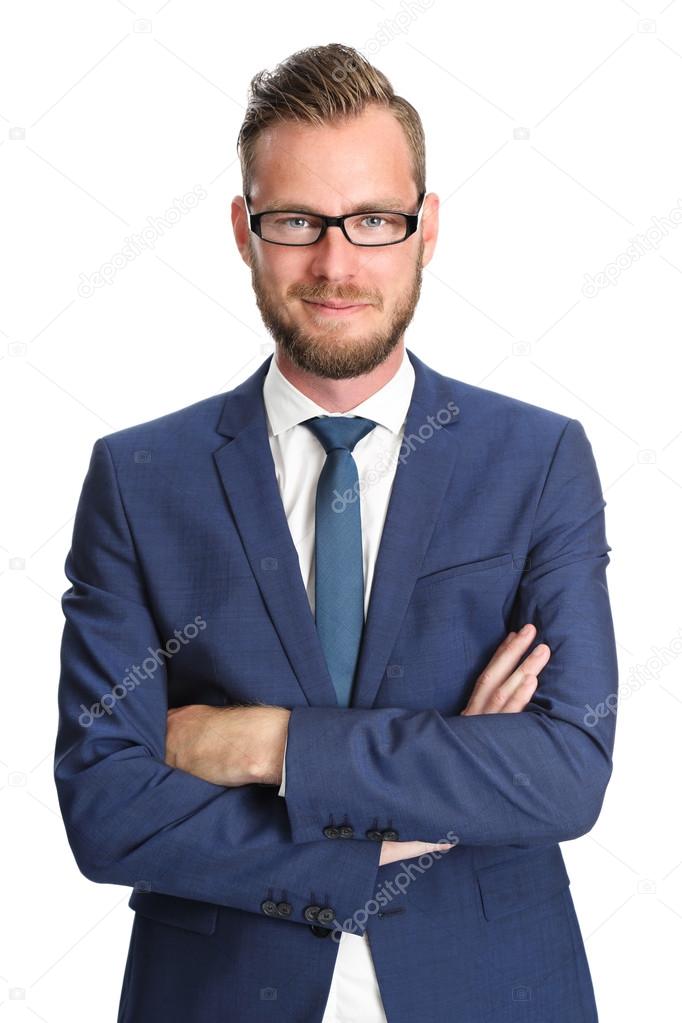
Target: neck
(339, 395)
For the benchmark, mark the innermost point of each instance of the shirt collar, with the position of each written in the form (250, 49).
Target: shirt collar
(286, 406)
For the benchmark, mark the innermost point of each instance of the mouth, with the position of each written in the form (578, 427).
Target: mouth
(336, 308)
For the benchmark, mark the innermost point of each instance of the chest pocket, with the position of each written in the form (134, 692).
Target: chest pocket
(473, 596)
(495, 568)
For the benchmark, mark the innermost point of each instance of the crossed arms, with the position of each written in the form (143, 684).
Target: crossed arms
(245, 745)
(532, 777)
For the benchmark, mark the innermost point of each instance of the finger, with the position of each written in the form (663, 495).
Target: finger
(506, 657)
(498, 669)
(504, 645)
(531, 665)
(510, 650)
(521, 696)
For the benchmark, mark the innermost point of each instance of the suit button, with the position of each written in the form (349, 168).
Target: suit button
(320, 932)
(389, 835)
(269, 907)
(325, 915)
(330, 831)
(310, 912)
(346, 831)
(284, 908)
(374, 836)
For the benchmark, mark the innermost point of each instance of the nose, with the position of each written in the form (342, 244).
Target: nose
(334, 257)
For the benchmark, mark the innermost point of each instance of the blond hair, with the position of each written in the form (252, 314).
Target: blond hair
(324, 85)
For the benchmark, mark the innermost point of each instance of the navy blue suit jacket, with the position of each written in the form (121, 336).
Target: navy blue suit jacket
(186, 588)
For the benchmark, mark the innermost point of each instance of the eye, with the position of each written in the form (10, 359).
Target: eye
(287, 221)
(374, 216)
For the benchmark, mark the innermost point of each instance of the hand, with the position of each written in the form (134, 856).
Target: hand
(499, 690)
(228, 746)
(392, 851)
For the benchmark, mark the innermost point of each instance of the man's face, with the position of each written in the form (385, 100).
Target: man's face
(336, 170)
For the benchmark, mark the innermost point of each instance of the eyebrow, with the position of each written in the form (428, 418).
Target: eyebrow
(387, 204)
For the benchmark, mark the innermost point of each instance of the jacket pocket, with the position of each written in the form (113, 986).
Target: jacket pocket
(525, 880)
(501, 563)
(169, 909)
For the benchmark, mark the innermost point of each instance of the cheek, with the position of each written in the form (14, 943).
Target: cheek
(284, 274)
(393, 281)
(275, 267)
(392, 293)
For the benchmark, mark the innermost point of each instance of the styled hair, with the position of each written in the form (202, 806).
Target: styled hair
(324, 85)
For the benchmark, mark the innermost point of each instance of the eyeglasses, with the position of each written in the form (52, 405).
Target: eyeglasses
(294, 227)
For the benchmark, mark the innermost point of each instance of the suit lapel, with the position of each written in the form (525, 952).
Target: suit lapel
(247, 473)
(426, 463)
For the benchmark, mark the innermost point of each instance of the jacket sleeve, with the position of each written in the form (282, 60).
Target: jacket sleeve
(130, 818)
(534, 777)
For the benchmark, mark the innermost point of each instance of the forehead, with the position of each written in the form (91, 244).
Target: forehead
(336, 168)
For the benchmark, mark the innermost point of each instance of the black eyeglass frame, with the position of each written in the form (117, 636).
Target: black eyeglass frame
(411, 220)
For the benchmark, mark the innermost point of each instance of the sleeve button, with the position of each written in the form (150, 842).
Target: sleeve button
(325, 915)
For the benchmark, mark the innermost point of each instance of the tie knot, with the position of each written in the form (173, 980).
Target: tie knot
(339, 431)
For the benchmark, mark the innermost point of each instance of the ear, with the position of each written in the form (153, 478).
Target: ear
(240, 226)
(430, 222)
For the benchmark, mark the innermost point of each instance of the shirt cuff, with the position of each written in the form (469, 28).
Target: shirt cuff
(284, 761)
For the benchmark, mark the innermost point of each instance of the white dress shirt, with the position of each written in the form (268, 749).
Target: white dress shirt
(299, 457)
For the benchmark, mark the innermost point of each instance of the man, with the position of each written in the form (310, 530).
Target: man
(298, 712)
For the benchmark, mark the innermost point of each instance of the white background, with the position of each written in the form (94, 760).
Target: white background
(553, 139)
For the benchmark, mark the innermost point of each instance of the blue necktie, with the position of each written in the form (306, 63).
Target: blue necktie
(339, 578)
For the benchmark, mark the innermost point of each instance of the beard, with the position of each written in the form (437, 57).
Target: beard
(336, 350)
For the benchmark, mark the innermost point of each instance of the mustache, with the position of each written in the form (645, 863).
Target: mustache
(341, 296)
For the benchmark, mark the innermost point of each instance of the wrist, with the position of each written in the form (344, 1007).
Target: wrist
(274, 734)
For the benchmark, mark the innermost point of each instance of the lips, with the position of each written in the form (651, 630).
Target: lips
(336, 305)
